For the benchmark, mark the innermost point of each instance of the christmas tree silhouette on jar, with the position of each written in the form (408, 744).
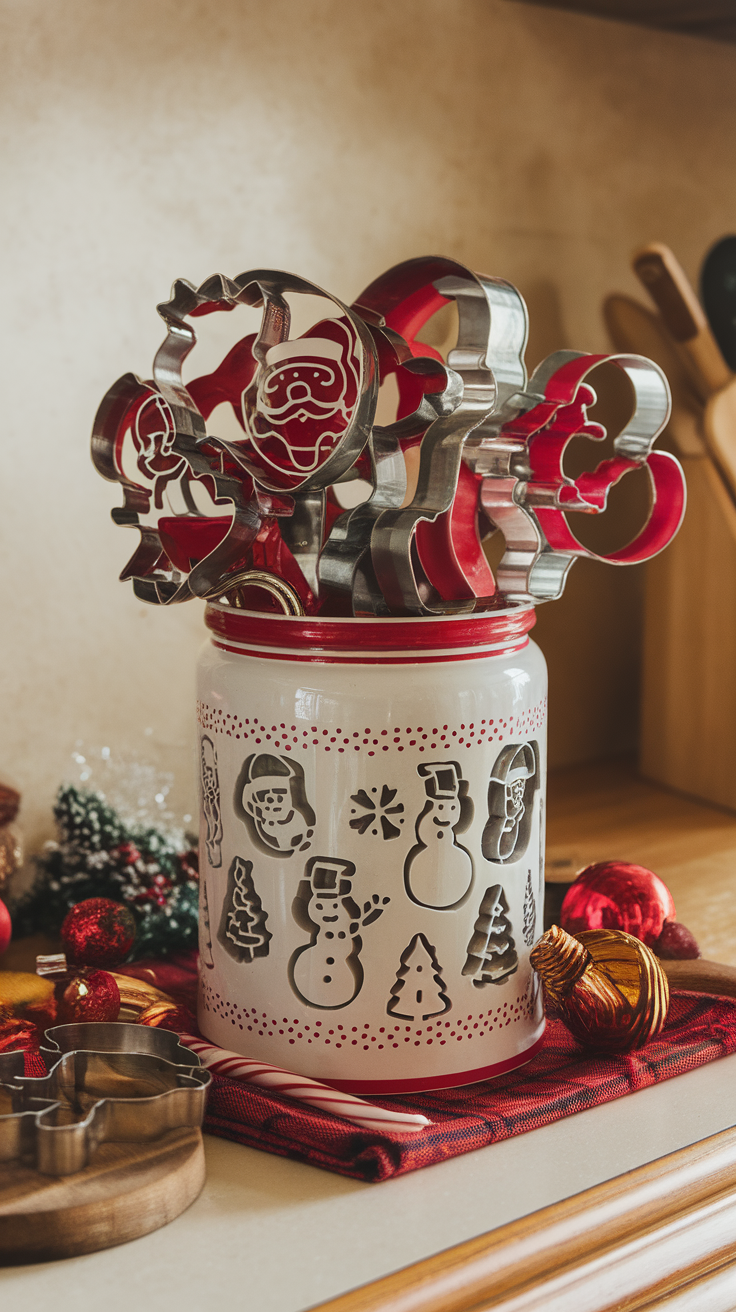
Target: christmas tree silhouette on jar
(491, 951)
(529, 921)
(205, 933)
(242, 931)
(419, 990)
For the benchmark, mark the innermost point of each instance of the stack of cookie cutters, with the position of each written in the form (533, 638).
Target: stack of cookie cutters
(119, 1082)
(491, 447)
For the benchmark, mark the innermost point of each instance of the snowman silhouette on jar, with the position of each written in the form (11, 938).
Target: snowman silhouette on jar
(439, 871)
(327, 971)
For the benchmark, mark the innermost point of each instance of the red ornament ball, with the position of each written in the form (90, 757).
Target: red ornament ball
(89, 996)
(6, 928)
(617, 895)
(676, 943)
(98, 932)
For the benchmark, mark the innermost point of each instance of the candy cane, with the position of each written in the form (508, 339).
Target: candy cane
(365, 1114)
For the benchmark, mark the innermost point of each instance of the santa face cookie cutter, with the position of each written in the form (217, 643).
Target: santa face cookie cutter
(526, 493)
(120, 1082)
(488, 361)
(306, 408)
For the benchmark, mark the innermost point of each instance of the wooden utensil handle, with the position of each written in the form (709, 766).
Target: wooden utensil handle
(701, 976)
(684, 317)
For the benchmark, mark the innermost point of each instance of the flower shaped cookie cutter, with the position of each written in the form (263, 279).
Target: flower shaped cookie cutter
(111, 1081)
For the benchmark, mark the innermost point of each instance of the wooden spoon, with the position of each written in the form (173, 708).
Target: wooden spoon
(688, 327)
(683, 317)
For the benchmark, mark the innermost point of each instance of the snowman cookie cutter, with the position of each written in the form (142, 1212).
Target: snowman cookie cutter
(527, 494)
(115, 1081)
(488, 360)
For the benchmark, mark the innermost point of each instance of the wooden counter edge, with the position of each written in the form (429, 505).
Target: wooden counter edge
(623, 1244)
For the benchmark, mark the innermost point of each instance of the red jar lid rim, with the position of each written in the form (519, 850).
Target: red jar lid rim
(497, 630)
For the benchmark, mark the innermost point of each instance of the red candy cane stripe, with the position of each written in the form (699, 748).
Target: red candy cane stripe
(365, 1114)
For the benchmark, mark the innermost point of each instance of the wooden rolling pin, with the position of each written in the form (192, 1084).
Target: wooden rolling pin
(701, 976)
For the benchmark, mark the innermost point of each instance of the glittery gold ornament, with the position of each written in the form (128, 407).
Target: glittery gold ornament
(168, 1016)
(136, 996)
(20, 990)
(607, 986)
(11, 855)
(11, 843)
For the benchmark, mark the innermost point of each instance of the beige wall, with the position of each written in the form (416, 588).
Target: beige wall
(148, 139)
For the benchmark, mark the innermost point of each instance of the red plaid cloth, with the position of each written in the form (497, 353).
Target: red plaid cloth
(563, 1078)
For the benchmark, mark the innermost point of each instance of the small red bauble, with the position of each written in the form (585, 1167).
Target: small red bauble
(93, 996)
(618, 895)
(676, 943)
(6, 928)
(98, 932)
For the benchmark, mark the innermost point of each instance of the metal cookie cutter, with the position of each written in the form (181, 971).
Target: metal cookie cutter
(345, 563)
(308, 410)
(488, 361)
(526, 492)
(167, 431)
(108, 1082)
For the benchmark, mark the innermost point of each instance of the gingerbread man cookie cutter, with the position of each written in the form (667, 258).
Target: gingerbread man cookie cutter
(167, 430)
(344, 563)
(116, 1081)
(488, 361)
(526, 493)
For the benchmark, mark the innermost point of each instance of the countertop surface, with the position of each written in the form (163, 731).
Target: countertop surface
(274, 1235)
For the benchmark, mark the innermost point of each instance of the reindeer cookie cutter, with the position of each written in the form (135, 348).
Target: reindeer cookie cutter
(115, 1081)
(526, 493)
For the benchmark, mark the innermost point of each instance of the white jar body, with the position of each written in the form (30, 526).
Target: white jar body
(372, 854)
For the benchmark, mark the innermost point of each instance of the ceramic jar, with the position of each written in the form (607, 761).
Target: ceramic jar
(372, 839)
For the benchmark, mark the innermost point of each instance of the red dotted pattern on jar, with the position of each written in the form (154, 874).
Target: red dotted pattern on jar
(422, 738)
(369, 1037)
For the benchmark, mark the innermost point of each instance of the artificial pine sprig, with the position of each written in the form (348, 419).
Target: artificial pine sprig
(100, 855)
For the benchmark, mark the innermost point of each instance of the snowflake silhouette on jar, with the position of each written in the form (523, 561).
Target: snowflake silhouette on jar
(376, 812)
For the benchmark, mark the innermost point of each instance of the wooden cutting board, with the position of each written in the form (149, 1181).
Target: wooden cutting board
(128, 1190)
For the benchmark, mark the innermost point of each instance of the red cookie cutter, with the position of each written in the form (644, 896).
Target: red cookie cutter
(527, 494)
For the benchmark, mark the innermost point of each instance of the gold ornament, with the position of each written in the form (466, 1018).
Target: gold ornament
(11, 856)
(607, 986)
(136, 996)
(20, 990)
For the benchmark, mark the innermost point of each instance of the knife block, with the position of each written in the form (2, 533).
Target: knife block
(688, 726)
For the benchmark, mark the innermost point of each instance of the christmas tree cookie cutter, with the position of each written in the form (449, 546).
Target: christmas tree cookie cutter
(120, 1082)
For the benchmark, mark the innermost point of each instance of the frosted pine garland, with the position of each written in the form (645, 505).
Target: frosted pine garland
(99, 855)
